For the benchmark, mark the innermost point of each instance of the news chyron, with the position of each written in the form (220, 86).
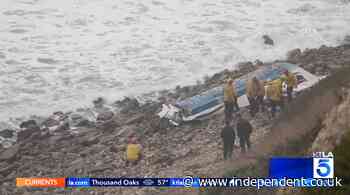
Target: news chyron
(316, 171)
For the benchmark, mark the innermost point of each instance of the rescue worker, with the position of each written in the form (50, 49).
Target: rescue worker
(230, 99)
(274, 95)
(255, 93)
(260, 97)
(291, 82)
(228, 137)
(133, 151)
(244, 129)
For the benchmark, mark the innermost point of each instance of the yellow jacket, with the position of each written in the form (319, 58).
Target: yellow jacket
(261, 89)
(133, 152)
(290, 80)
(273, 91)
(229, 93)
(279, 85)
(255, 89)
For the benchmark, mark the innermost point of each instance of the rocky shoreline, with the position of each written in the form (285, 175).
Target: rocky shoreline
(75, 144)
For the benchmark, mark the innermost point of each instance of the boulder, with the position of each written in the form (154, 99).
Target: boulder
(63, 126)
(85, 123)
(245, 67)
(105, 116)
(346, 40)
(27, 124)
(7, 133)
(31, 130)
(293, 55)
(150, 108)
(258, 62)
(267, 40)
(128, 105)
(55, 119)
(9, 154)
(99, 102)
(77, 120)
(50, 122)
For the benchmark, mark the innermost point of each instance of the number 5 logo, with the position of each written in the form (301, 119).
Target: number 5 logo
(323, 168)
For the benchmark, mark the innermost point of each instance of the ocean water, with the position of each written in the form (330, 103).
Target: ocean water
(60, 55)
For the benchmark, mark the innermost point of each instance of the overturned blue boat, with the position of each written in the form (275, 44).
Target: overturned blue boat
(212, 99)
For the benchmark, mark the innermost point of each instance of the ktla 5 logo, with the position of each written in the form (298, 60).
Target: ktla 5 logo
(323, 165)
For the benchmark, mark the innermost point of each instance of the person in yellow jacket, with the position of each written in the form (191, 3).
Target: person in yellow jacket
(260, 97)
(255, 92)
(274, 95)
(133, 150)
(230, 99)
(291, 82)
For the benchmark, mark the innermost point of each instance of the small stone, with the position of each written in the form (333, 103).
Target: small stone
(88, 141)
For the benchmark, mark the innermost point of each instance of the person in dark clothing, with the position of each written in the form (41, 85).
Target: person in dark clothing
(228, 137)
(244, 129)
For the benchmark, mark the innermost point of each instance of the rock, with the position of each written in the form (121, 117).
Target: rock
(346, 40)
(7, 169)
(77, 120)
(9, 154)
(267, 40)
(75, 165)
(258, 62)
(27, 124)
(99, 169)
(150, 108)
(63, 127)
(56, 119)
(128, 105)
(135, 119)
(52, 140)
(334, 127)
(50, 122)
(108, 125)
(88, 140)
(6, 133)
(105, 116)
(85, 123)
(31, 130)
(245, 67)
(99, 102)
(293, 55)
(117, 148)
